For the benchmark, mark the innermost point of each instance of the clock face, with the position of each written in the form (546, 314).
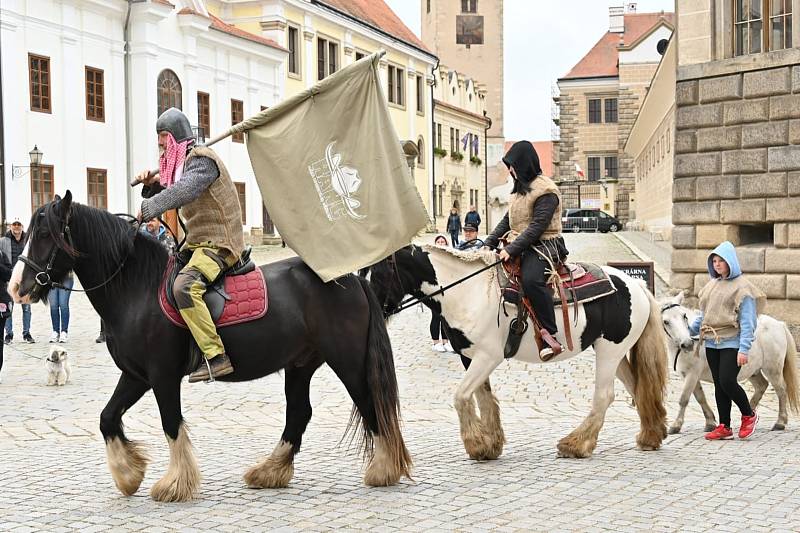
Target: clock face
(469, 29)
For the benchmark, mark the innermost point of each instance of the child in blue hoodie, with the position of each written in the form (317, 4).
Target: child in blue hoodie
(729, 305)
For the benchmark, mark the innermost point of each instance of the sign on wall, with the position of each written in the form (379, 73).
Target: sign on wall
(643, 270)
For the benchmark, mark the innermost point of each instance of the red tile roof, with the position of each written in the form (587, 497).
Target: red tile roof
(379, 15)
(230, 29)
(544, 149)
(603, 59)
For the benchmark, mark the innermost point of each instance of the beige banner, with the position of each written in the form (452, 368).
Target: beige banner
(332, 173)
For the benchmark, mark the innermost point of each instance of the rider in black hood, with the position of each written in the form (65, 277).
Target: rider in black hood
(533, 225)
(522, 157)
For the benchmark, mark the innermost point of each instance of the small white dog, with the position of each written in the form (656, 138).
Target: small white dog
(57, 365)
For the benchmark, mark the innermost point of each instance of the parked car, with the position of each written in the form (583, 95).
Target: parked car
(589, 220)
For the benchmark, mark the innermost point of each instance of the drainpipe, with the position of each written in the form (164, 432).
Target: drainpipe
(486, 171)
(3, 215)
(127, 80)
(433, 144)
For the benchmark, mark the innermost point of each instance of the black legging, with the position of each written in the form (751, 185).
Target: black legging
(533, 283)
(437, 331)
(726, 387)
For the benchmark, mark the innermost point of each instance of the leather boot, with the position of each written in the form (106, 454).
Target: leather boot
(515, 333)
(552, 348)
(213, 368)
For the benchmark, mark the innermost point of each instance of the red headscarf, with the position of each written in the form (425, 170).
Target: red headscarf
(170, 164)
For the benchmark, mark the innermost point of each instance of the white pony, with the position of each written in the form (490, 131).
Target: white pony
(772, 360)
(626, 321)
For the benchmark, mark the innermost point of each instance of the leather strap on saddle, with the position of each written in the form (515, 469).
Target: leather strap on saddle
(565, 311)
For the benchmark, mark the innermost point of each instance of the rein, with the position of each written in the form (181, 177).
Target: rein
(414, 300)
(43, 278)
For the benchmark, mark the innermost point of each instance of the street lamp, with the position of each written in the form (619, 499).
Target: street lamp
(17, 171)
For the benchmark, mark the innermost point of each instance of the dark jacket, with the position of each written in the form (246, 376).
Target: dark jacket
(16, 246)
(523, 158)
(453, 223)
(5, 275)
(473, 217)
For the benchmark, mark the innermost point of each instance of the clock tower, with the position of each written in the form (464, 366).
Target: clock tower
(467, 36)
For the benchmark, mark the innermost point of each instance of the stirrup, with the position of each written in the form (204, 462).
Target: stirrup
(210, 374)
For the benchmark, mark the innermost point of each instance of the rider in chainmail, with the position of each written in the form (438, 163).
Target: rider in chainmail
(194, 179)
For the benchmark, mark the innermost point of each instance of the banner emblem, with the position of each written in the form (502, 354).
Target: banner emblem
(336, 185)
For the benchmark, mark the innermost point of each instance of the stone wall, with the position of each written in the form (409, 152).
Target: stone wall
(737, 178)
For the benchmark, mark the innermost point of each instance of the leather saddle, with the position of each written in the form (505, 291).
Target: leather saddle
(578, 283)
(237, 295)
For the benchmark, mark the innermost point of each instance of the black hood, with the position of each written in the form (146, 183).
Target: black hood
(523, 158)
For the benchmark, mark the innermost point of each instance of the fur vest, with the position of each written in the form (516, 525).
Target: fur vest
(520, 210)
(215, 216)
(720, 300)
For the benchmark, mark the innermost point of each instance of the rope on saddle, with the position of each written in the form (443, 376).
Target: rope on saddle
(555, 279)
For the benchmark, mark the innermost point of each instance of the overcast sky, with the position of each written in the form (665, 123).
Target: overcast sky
(543, 40)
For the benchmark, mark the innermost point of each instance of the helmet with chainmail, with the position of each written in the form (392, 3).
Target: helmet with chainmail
(175, 122)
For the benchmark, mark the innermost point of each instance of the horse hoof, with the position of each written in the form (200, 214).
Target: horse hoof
(568, 448)
(710, 427)
(127, 462)
(274, 472)
(674, 430)
(778, 427)
(173, 489)
(378, 475)
(479, 448)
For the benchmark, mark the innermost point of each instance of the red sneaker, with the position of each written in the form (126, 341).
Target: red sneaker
(720, 433)
(748, 426)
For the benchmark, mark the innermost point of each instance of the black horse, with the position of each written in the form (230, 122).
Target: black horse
(117, 263)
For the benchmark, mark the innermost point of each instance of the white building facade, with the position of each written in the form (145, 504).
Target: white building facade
(70, 88)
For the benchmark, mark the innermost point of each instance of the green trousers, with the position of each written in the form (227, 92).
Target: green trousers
(203, 268)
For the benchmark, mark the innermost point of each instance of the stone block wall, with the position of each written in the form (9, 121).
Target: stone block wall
(737, 178)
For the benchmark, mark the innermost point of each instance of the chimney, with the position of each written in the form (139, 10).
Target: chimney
(616, 19)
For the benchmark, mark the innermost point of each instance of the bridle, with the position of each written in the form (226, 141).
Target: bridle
(43, 277)
(677, 353)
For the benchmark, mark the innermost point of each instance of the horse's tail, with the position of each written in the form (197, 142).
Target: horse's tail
(790, 371)
(382, 383)
(649, 362)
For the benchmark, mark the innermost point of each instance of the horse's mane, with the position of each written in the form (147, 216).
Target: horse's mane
(485, 257)
(469, 256)
(95, 229)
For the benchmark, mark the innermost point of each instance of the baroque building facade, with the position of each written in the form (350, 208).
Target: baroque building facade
(599, 98)
(737, 145)
(86, 88)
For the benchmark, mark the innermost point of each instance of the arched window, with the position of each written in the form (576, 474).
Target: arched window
(421, 154)
(169, 91)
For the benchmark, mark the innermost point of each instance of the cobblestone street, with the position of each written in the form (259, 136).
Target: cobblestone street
(54, 476)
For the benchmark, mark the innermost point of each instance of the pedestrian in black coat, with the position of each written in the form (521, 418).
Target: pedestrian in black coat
(454, 226)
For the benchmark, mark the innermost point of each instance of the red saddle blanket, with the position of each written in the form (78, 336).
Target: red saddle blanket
(248, 299)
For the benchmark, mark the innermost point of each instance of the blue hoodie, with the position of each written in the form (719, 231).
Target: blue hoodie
(747, 310)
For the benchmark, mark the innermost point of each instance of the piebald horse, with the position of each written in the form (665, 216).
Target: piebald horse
(626, 321)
